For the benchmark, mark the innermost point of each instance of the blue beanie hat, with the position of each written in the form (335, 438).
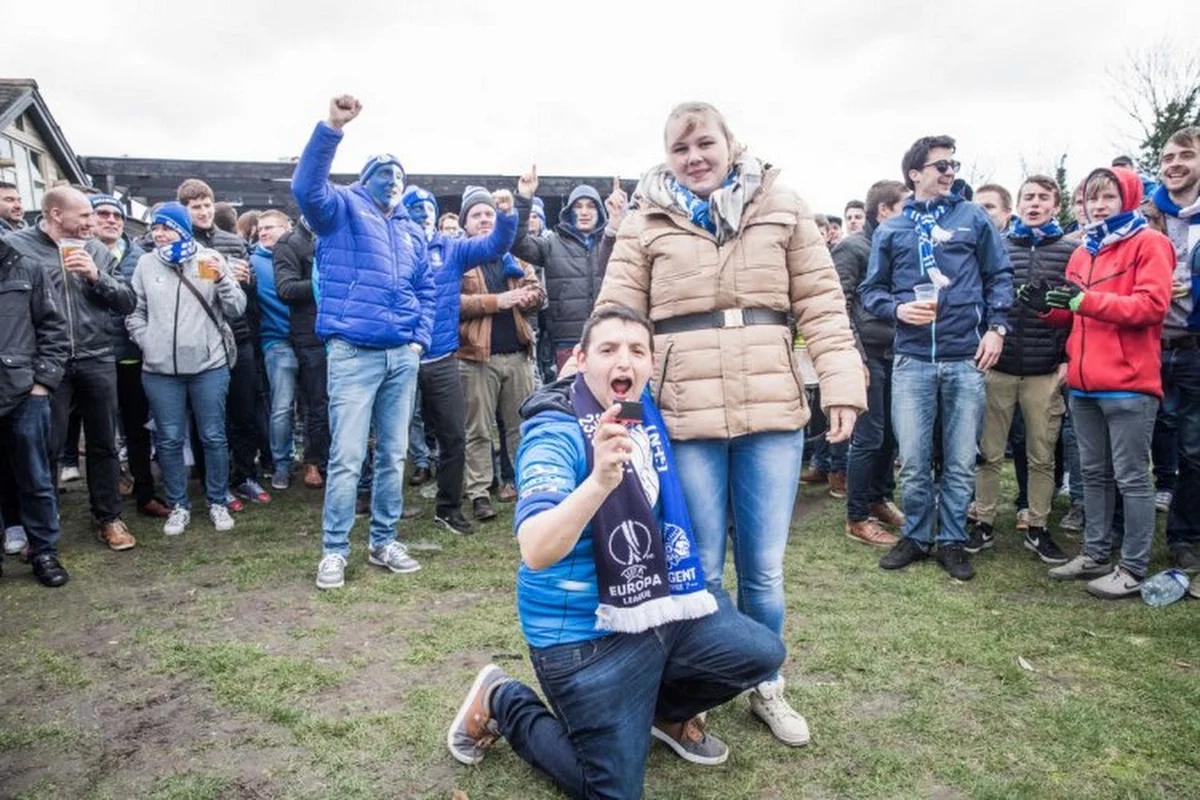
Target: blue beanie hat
(473, 196)
(539, 209)
(415, 195)
(107, 200)
(175, 217)
(378, 161)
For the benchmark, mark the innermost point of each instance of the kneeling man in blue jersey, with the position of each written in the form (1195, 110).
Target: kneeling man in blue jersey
(624, 637)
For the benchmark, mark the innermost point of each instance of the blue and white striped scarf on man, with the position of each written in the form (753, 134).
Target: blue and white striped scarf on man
(1036, 234)
(925, 215)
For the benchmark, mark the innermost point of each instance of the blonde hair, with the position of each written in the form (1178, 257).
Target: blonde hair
(693, 112)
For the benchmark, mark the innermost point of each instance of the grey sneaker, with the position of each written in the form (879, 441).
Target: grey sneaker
(331, 572)
(1081, 566)
(394, 556)
(473, 730)
(220, 518)
(282, 478)
(15, 540)
(1073, 519)
(694, 743)
(1162, 501)
(1115, 585)
(177, 521)
(768, 704)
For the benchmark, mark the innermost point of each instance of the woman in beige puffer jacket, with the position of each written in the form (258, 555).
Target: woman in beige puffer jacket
(718, 255)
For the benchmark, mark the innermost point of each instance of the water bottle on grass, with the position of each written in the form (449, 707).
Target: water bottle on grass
(1165, 588)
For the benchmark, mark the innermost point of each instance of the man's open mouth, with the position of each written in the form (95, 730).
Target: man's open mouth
(621, 387)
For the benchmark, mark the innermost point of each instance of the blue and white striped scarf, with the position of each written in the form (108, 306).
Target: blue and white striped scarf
(177, 252)
(699, 210)
(1036, 234)
(925, 215)
(1109, 231)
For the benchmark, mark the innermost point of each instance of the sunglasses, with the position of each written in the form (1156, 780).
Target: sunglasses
(110, 215)
(943, 166)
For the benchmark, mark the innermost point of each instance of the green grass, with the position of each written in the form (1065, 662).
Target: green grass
(207, 666)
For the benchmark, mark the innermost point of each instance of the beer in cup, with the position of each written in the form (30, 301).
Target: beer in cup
(926, 293)
(68, 246)
(209, 267)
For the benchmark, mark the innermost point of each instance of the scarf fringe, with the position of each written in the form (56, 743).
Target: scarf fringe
(656, 612)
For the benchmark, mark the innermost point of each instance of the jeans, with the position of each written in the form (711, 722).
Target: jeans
(1164, 447)
(1071, 457)
(1114, 449)
(869, 465)
(283, 369)
(418, 450)
(25, 439)
(605, 694)
(369, 389)
(169, 397)
(314, 388)
(446, 414)
(1181, 371)
(829, 457)
(135, 413)
(755, 477)
(90, 385)
(920, 390)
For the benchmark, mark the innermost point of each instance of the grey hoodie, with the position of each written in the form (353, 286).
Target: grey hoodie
(170, 326)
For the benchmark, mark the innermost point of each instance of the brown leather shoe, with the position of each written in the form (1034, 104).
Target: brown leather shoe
(419, 477)
(125, 486)
(412, 512)
(886, 512)
(837, 484)
(870, 533)
(813, 475)
(507, 493)
(154, 508)
(312, 477)
(114, 534)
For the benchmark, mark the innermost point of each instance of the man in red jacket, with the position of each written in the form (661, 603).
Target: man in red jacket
(1119, 286)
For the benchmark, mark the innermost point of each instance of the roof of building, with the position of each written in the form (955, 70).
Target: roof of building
(20, 96)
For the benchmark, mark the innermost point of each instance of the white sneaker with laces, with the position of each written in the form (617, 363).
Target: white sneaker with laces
(331, 572)
(220, 518)
(177, 522)
(1162, 501)
(394, 556)
(768, 704)
(69, 474)
(15, 540)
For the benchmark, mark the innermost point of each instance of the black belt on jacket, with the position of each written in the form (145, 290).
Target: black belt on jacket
(727, 318)
(1189, 342)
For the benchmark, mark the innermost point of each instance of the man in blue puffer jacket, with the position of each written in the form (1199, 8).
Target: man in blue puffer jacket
(943, 345)
(375, 287)
(443, 403)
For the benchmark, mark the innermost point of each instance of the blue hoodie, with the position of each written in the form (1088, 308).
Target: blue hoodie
(975, 260)
(375, 283)
(274, 325)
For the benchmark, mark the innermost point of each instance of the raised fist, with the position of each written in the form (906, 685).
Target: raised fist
(342, 109)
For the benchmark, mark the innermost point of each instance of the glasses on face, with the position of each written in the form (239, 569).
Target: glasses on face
(108, 214)
(943, 166)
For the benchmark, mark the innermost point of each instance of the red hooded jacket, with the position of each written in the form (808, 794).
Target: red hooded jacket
(1116, 335)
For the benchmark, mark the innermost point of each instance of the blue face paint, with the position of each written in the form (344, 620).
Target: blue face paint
(385, 185)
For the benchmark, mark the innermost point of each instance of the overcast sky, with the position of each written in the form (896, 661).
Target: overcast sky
(831, 92)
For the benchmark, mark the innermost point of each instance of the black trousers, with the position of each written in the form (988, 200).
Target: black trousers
(135, 412)
(444, 407)
(314, 396)
(89, 385)
(244, 419)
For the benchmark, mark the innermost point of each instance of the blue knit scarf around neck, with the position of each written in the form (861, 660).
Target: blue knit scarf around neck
(1108, 232)
(698, 209)
(1038, 233)
(925, 215)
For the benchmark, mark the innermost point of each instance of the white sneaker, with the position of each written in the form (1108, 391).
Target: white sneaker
(68, 474)
(394, 556)
(331, 572)
(220, 518)
(768, 704)
(177, 522)
(15, 540)
(1162, 501)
